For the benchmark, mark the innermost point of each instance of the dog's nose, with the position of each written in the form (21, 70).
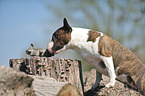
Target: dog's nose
(47, 53)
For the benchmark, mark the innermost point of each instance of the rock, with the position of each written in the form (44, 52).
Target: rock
(69, 90)
(13, 83)
(117, 90)
(46, 86)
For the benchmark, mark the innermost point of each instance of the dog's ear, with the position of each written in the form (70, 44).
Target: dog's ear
(66, 25)
(32, 45)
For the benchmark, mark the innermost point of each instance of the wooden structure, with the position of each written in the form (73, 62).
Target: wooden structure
(63, 70)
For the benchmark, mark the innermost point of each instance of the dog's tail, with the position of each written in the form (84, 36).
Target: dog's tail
(139, 79)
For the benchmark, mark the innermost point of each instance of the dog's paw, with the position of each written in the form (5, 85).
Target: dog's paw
(109, 85)
(94, 87)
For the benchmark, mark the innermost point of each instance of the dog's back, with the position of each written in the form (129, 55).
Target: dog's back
(125, 62)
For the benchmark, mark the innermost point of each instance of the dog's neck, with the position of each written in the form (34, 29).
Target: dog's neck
(78, 36)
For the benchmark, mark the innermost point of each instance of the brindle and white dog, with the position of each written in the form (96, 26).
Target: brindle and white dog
(105, 54)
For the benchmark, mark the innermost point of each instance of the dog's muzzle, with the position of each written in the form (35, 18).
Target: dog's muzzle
(50, 45)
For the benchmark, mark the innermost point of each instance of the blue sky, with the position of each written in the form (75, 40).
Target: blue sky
(22, 22)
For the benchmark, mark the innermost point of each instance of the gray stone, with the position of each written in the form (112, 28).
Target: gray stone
(14, 83)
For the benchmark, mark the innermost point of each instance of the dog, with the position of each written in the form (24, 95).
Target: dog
(105, 54)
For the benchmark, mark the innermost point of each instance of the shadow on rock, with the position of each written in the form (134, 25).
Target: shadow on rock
(95, 92)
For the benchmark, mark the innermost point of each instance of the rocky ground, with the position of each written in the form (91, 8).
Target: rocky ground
(117, 90)
(14, 83)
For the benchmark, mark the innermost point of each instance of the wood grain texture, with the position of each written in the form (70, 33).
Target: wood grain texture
(62, 70)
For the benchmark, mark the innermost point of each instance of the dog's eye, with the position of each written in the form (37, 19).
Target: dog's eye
(56, 36)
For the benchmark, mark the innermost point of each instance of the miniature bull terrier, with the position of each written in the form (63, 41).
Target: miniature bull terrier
(105, 54)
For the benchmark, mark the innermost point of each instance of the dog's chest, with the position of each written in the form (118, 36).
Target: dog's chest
(89, 56)
(94, 60)
(88, 49)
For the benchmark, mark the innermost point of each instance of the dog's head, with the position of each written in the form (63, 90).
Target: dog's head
(61, 37)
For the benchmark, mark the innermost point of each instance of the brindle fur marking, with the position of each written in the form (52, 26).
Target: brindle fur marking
(103, 48)
(123, 58)
(93, 35)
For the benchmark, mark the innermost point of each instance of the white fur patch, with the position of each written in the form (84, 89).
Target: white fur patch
(88, 50)
(108, 61)
(50, 45)
(79, 42)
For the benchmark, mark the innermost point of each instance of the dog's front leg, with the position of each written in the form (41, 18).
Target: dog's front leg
(97, 82)
(108, 61)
